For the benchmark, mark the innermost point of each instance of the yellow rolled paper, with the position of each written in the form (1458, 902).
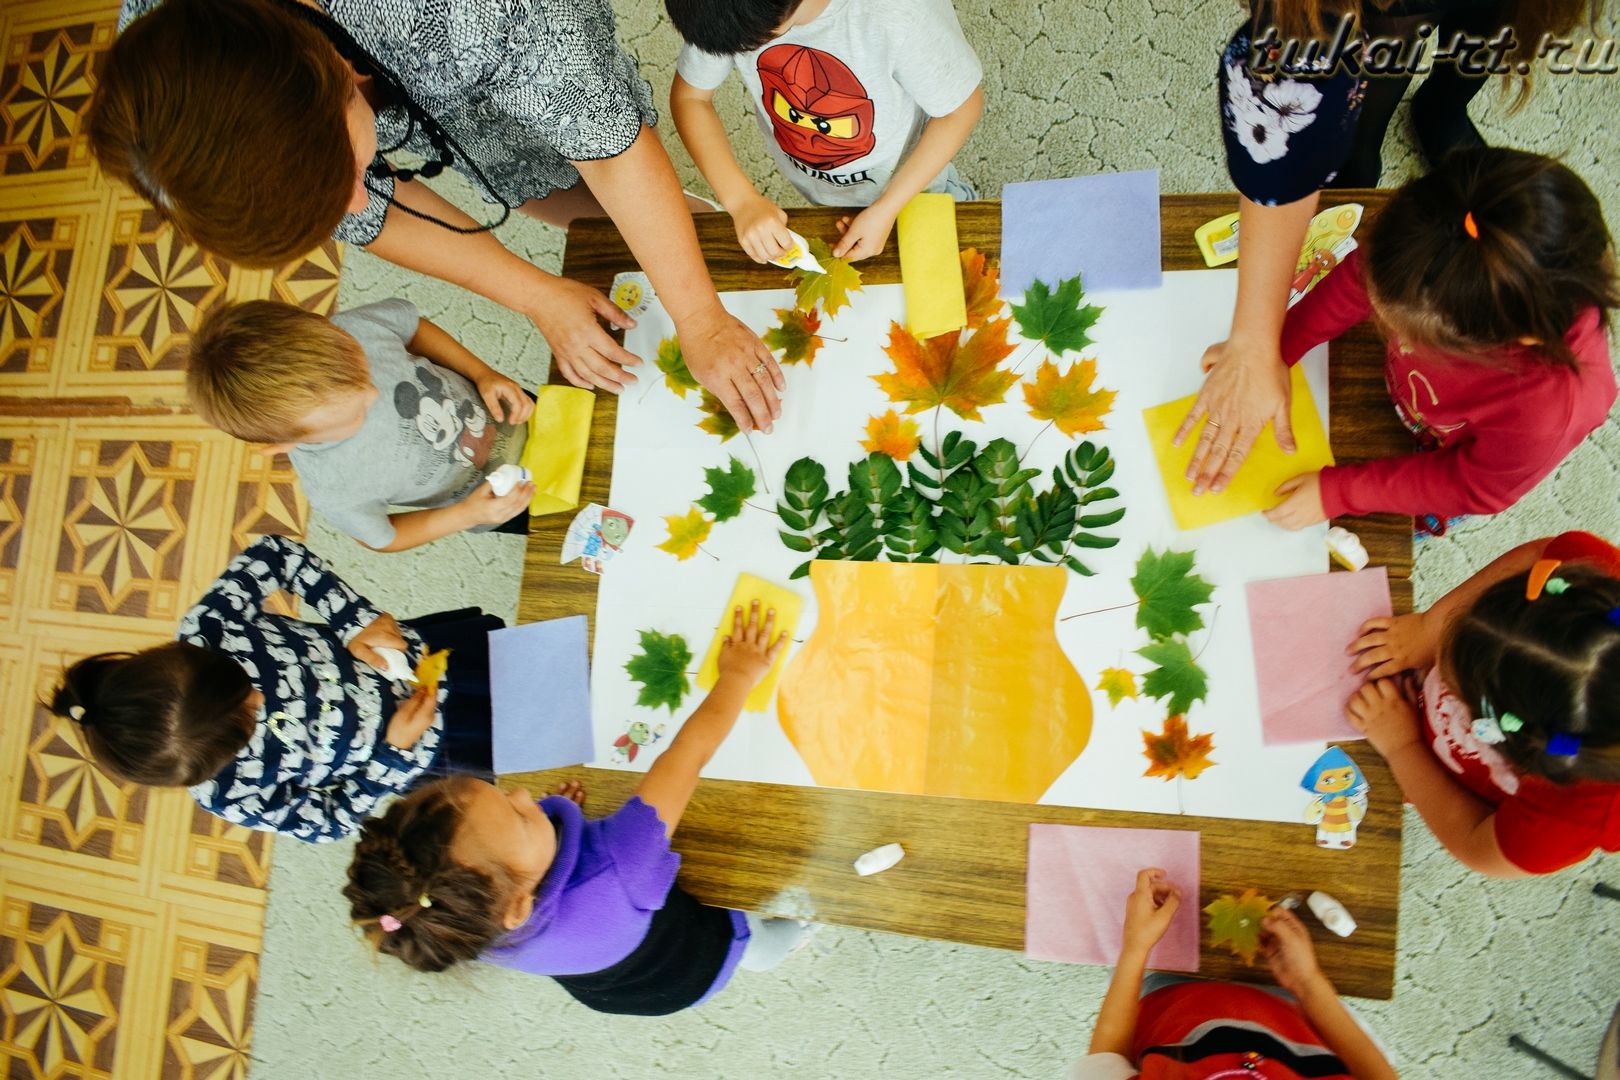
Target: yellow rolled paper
(931, 266)
(559, 432)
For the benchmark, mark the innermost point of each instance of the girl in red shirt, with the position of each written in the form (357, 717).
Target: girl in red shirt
(1499, 708)
(1491, 278)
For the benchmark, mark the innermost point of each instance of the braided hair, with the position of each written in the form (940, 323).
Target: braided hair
(1554, 663)
(410, 896)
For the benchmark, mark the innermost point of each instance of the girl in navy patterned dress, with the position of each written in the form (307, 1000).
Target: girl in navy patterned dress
(280, 724)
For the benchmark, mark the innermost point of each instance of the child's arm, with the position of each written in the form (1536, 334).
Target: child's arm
(1148, 913)
(1392, 644)
(867, 233)
(273, 563)
(1288, 950)
(504, 398)
(481, 506)
(1463, 823)
(1338, 303)
(745, 657)
(761, 224)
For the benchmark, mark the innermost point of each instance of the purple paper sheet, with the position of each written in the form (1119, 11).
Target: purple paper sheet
(1079, 878)
(539, 695)
(1301, 627)
(1104, 228)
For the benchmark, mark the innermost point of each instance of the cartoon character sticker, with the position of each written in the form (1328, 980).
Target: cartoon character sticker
(820, 112)
(460, 429)
(1339, 798)
(626, 746)
(595, 536)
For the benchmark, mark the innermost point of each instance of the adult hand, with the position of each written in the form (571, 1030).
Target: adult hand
(504, 398)
(1286, 944)
(412, 719)
(762, 229)
(570, 315)
(1244, 390)
(735, 366)
(866, 234)
(1302, 502)
(1385, 712)
(1149, 910)
(483, 507)
(1392, 644)
(381, 632)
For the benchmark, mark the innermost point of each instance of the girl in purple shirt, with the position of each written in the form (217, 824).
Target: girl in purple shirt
(460, 870)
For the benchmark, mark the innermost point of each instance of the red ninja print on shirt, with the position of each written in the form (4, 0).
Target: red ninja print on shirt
(820, 110)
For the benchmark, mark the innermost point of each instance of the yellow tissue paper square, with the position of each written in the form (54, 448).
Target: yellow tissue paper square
(1254, 487)
(788, 605)
(559, 431)
(931, 266)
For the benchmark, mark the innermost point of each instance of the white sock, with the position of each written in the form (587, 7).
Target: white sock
(770, 941)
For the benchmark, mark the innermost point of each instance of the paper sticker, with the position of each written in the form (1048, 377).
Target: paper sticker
(638, 735)
(1338, 799)
(595, 536)
(632, 291)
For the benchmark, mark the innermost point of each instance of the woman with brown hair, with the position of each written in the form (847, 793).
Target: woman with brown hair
(1294, 125)
(261, 127)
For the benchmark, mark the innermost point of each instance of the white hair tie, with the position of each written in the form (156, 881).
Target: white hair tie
(76, 712)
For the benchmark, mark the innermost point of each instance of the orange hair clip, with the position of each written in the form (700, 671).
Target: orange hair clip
(1470, 226)
(1539, 574)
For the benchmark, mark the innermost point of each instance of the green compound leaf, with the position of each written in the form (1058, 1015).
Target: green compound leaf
(1057, 320)
(1169, 591)
(1178, 677)
(728, 488)
(660, 668)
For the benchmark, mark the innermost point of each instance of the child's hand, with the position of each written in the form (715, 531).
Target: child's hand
(504, 398)
(1383, 711)
(381, 632)
(483, 507)
(1148, 911)
(1392, 644)
(574, 790)
(1302, 505)
(762, 229)
(865, 235)
(412, 719)
(748, 651)
(1286, 944)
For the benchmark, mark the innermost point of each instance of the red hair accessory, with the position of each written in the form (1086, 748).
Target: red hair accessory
(1470, 226)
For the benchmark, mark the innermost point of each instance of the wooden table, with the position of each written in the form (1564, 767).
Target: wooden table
(963, 875)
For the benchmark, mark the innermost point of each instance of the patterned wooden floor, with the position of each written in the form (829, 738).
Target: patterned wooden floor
(130, 921)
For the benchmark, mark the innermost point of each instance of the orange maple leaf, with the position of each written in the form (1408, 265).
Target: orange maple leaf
(1173, 752)
(948, 370)
(1068, 400)
(892, 434)
(981, 282)
(1235, 921)
(796, 336)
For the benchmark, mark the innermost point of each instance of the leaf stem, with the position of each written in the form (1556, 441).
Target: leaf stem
(756, 506)
(1026, 356)
(1213, 615)
(709, 553)
(763, 482)
(939, 455)
(824, 339)
(650, 385)
(1099, 611)
(1035, 440)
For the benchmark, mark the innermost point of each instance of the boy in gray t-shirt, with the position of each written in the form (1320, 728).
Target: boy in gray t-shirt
(863, 103)
(378, 409)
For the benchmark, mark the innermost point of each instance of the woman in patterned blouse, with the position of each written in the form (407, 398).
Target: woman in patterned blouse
(259, 127)
(272, 722)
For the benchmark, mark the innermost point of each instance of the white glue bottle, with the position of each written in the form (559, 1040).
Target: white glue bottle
(1333, 914)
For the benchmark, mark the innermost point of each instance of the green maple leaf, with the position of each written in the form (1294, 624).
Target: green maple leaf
(1235, 921)
(660, 668)
(727, 490)
(1178, 676)
(831, 290)
(716, 421)
(673, 364)
(795, 336)
(1056, 320)
(1169, 591)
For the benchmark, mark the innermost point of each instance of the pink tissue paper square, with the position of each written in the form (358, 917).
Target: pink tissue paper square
(1301, 627)
(1079, 879)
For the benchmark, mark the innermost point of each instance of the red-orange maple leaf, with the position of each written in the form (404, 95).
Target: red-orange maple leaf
(1173, 752)
(1068, 400)
(947, 370)
(796, 336)
(892, 434)
(981, 282)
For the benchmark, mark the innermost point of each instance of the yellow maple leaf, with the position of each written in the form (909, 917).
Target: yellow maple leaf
(1235, 921)
(981, 284)
(1068, 399)
(892, 434)
(960, 374)
(1173, 752)
(686, 532)
(431, 669)
(1117, 683)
